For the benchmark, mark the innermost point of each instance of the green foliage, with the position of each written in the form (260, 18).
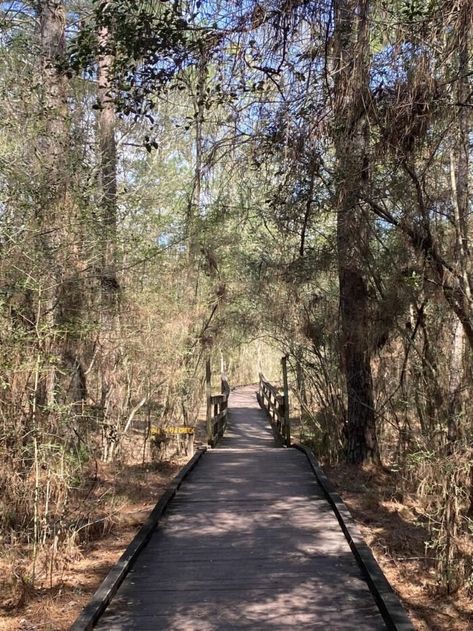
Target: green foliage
(148, 42)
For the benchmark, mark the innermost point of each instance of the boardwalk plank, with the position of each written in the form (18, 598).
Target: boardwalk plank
(249, 542)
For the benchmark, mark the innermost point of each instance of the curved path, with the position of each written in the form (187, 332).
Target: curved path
(249, 542)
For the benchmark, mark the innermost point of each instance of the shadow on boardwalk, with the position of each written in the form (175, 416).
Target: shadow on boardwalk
(249, 542)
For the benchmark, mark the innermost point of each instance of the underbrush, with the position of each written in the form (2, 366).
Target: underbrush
(112, 501)
(425, 556)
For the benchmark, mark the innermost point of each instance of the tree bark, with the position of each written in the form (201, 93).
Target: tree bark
(351, 94)
(455, 399)
(459, 170)
(106, 124)
(109, 287)
(57, 221)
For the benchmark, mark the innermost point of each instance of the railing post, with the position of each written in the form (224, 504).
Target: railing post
(208, 395)
(287, 426)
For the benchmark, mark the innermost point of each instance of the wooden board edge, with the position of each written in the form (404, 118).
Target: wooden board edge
(91, 613)
(388, 602)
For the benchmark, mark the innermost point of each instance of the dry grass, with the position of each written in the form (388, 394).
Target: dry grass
(390, 525)
(129, 493)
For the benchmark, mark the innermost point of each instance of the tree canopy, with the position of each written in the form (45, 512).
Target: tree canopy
(235, 181)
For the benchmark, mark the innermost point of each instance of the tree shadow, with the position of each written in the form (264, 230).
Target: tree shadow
(398, 539)
(249, 542)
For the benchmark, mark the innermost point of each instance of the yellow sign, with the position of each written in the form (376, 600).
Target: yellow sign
(172, 430)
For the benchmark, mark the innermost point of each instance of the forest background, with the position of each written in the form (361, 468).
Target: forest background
(240, 181)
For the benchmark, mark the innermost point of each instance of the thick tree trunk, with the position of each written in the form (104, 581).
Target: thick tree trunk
(459, 170)
(57, 221)
(107, 237)
(107, 227)
(108, 176)
(351, 94)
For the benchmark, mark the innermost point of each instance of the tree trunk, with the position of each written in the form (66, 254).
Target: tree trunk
(351, 94)
(57, 218)
(459, 170)
(109, 286)
(455, 399)
(108, 175)
(194, 208)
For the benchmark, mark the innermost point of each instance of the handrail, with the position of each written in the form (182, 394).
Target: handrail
(276, 405)
(217, 412)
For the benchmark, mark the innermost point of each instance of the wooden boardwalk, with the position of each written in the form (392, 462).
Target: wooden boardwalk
(249, 542)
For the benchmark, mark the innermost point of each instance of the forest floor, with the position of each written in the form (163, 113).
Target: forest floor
(390, 526)
(132, 491)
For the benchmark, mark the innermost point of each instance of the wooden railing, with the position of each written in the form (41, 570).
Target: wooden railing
(276, 402)
(217, 410)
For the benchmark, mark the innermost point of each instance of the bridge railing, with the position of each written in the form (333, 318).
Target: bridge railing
(217, 412)
(276, 402)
